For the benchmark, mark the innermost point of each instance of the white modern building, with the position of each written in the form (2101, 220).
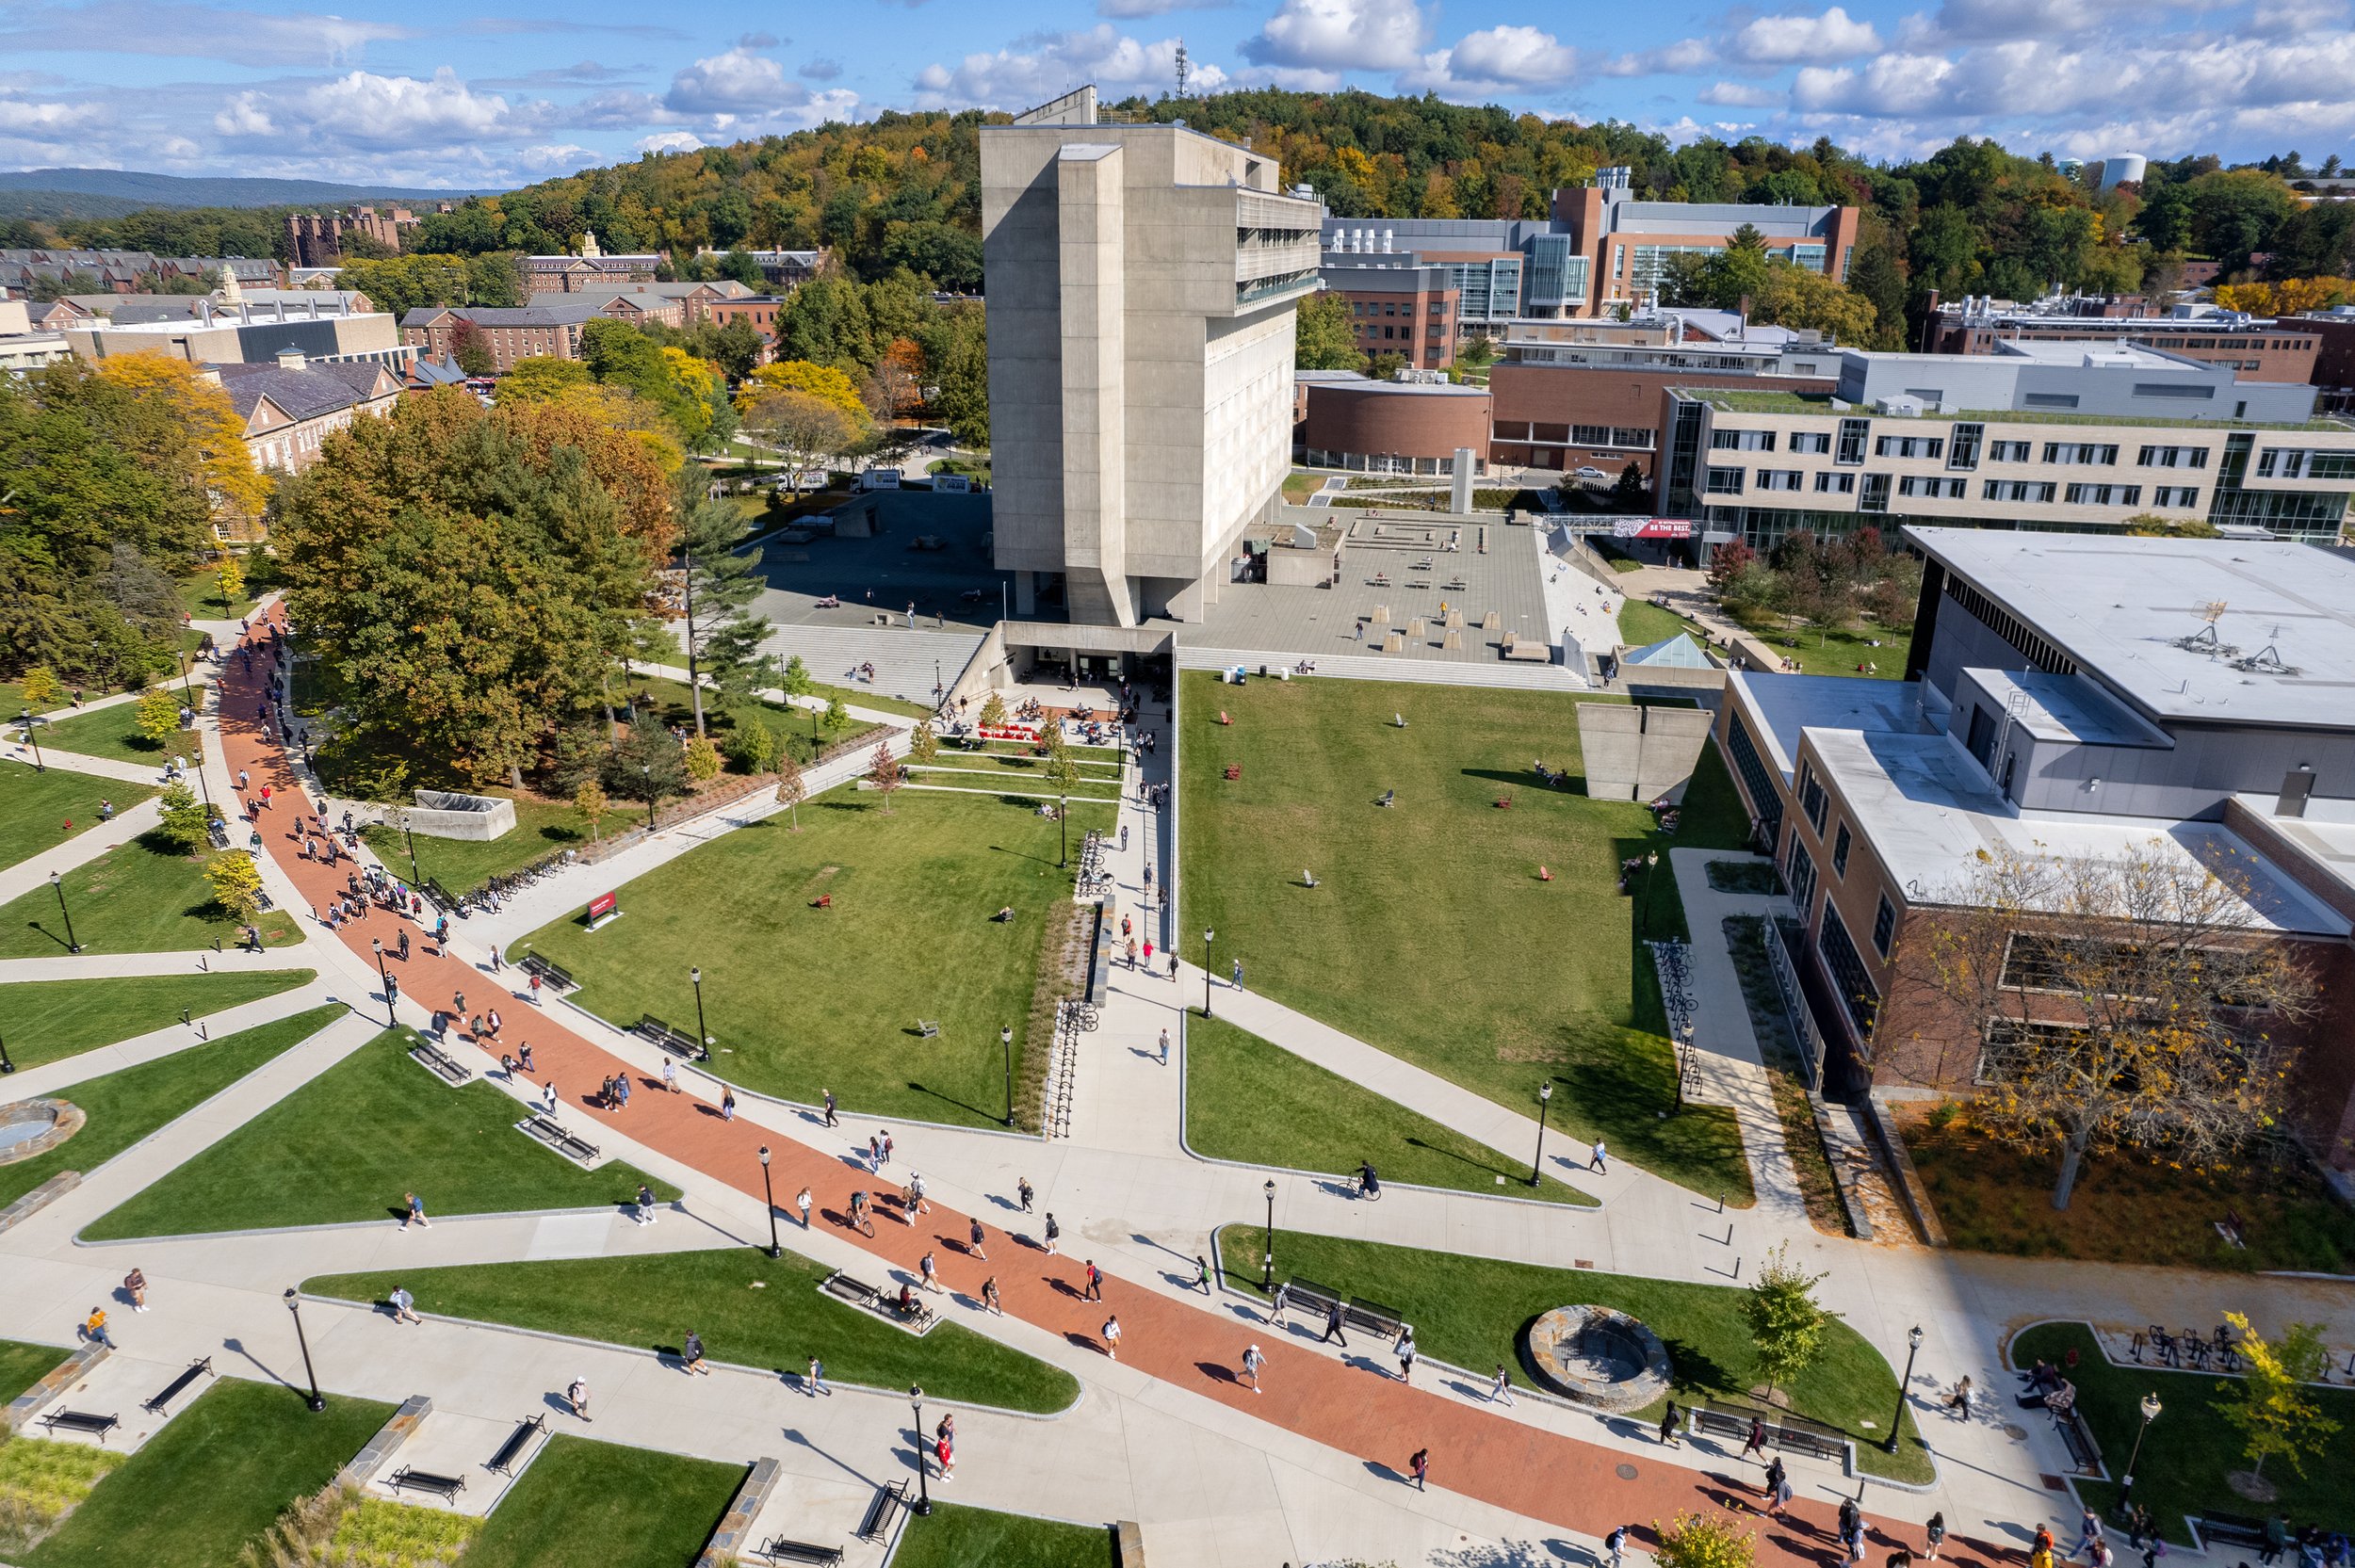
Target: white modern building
(1141, 285)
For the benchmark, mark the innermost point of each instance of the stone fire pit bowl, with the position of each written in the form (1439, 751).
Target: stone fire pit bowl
(1599, 1357)
(29, 1127)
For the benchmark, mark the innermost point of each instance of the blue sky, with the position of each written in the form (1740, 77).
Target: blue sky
(437, 93)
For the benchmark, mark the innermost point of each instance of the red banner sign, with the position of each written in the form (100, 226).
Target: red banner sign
(1652, 528)
(603, 905)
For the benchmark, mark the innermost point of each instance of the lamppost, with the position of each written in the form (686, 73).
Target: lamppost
(1207, 935)
(770, 1193)
(24, 717)
(1651, 863)
(392, 986)
(56, 879)
(697, 976)
(1913, 1344)
(408, 836)
(1267, 1270)
(924, 1492)
(645, 771)
(185, 689)
(2150, 1408)
(1684, 1065)
(294, 1305)
(1545, 1097)
(6, 1065)
(1006, 1044)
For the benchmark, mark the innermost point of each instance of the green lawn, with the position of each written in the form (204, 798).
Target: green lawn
(954, 770)
(802, 1000)
(749, 1309)
(1430, 934)
(40, 804)
(2191, 1448)
(959, 1537)
(862, 696)
(144, 897)
(115, 733)
(200, 591)
(22, 1366)
(346, 1145)
(125, 1107)
(1642, 624)
(217, 1475)
(44, 1020)
(1471, 1312)
(542, 827)
(1251, 1101)
(584, 1502)
(1835, 653)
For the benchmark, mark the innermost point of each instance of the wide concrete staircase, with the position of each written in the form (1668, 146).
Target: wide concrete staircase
(904, 660)
(1360, 667)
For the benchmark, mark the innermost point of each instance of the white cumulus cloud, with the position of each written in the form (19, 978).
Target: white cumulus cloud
(1041, 68)
(1788, 40)
(1341, 35)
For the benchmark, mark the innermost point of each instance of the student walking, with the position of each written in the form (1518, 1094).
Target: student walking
(1202, 1273)
(945, 1451)
(989, 1296)
(2088, 1535)
(1054, 1233)
(801, 1201)
(1616, 1545)
(548, 1098)
(886, 1146)
(1405, 1350)
(1597, 1159)
(874, 1153)
(1420, 1467)
(577, 1395)
(1756, 1442)
(416, 1213)
(1252, 1362)
(1501, 1392)
(1023, 1191)
(1960, 1402)
(94, 1329)
(646, 1203)
(1279, 1304)
(814, 1383)
(1777, 1478)
(727, 1103)
(1112, 1337)
(135, 1286)
(691, 1354)
(670, 1075)
(1237, 973)
(523, 1057)
(1668, 1420)
(1935, 1532)
(1094, 1291)
(1333, 1326)
(930, 1268)
(1165, 1048)
(831, 1120)
(405, 1305)
(915, 1191)
(974, 1239)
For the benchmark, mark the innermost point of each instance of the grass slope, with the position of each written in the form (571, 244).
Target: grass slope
(212, 1479)
(652, 1301)
(584, 1502)
(22, 1366)
(2191, 1447)
(1255, 1102)
(802, 999)
(46, 1020)
(144, 897)
(1430, 935)
(1642, 624)
(38, 804)
(1471, 1312)
(125, 1107)
(346, 1145)
(959, 1537)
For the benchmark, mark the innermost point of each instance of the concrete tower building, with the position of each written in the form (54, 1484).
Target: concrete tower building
(1140, 282)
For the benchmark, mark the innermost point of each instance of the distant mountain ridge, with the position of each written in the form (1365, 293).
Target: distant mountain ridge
(111, 191)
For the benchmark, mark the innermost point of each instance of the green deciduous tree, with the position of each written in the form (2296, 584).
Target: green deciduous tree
(590, 800)
(2274, 1409)
(1324, 336)
(648, 765)
(1704, 1540)
(237, 884)
(187, 823)
(883, 773)
(158, 713)
(1787, 1324)
(923, 745)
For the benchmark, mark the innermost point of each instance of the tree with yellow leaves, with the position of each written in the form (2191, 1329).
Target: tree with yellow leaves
(2276, 1410)
(822, 381)
(197, 430)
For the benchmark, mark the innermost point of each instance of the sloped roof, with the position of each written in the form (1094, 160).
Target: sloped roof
(305, 394)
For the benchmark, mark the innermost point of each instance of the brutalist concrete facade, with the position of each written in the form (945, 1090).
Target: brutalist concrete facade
(1141, 282)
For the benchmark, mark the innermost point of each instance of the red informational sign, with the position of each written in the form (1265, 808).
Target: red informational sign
(603, 905)
(1652, 528)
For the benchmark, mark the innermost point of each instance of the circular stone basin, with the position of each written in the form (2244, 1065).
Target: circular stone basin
(30, 1128)
(1599, 1357)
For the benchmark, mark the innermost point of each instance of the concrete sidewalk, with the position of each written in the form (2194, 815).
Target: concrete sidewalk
(50, 1077)
(82, 847)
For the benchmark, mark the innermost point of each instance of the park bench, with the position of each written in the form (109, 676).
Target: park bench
(2231, 1529)
(81, 1420)
(549, 974)
(781, 1549)
(1787, 1435)
(888, 1499)
(556, 1136)
(441, 897)
(445, 1487)
(444, 1066)
(178, 1385)
(858, 1293)
(1372, 1317)
(672, 1040)
(510, 1451)
(1310, 1297)
(2084, 1452)
(926, 1029)
(219, 831)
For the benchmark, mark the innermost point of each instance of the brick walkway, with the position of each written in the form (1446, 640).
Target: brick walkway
(1356, 1406)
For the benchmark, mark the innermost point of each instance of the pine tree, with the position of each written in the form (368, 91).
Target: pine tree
(721, 635)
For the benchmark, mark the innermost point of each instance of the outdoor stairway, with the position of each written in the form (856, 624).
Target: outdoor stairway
(1390, 666)
(904, 660)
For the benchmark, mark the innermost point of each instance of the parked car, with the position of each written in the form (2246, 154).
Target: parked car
(1591, 473)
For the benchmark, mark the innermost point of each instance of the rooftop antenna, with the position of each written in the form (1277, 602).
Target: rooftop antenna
(1185, 68)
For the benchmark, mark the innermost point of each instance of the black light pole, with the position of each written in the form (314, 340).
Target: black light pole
(645, 771)
(1896, 1422)
(294, 1305)
(702, 1034)
(924, 1492)
(410, 836)
(392, 989)
(56, 879)
(2126, 1499)
(185, 689)
(771, 1193)
(1544, 1096)
(1684, 1065)
(1267, 1269)
(6, 1065)
(1206, 972)
(25, 717)
(1006, 1044)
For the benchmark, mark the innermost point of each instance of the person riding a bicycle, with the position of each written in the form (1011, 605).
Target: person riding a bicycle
(1369, 1184)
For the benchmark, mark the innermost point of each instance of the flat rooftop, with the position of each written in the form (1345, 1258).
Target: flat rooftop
(1788, 704)
(2123, 608)
(1928, 813)
(1743, 400)
(2068, 708)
